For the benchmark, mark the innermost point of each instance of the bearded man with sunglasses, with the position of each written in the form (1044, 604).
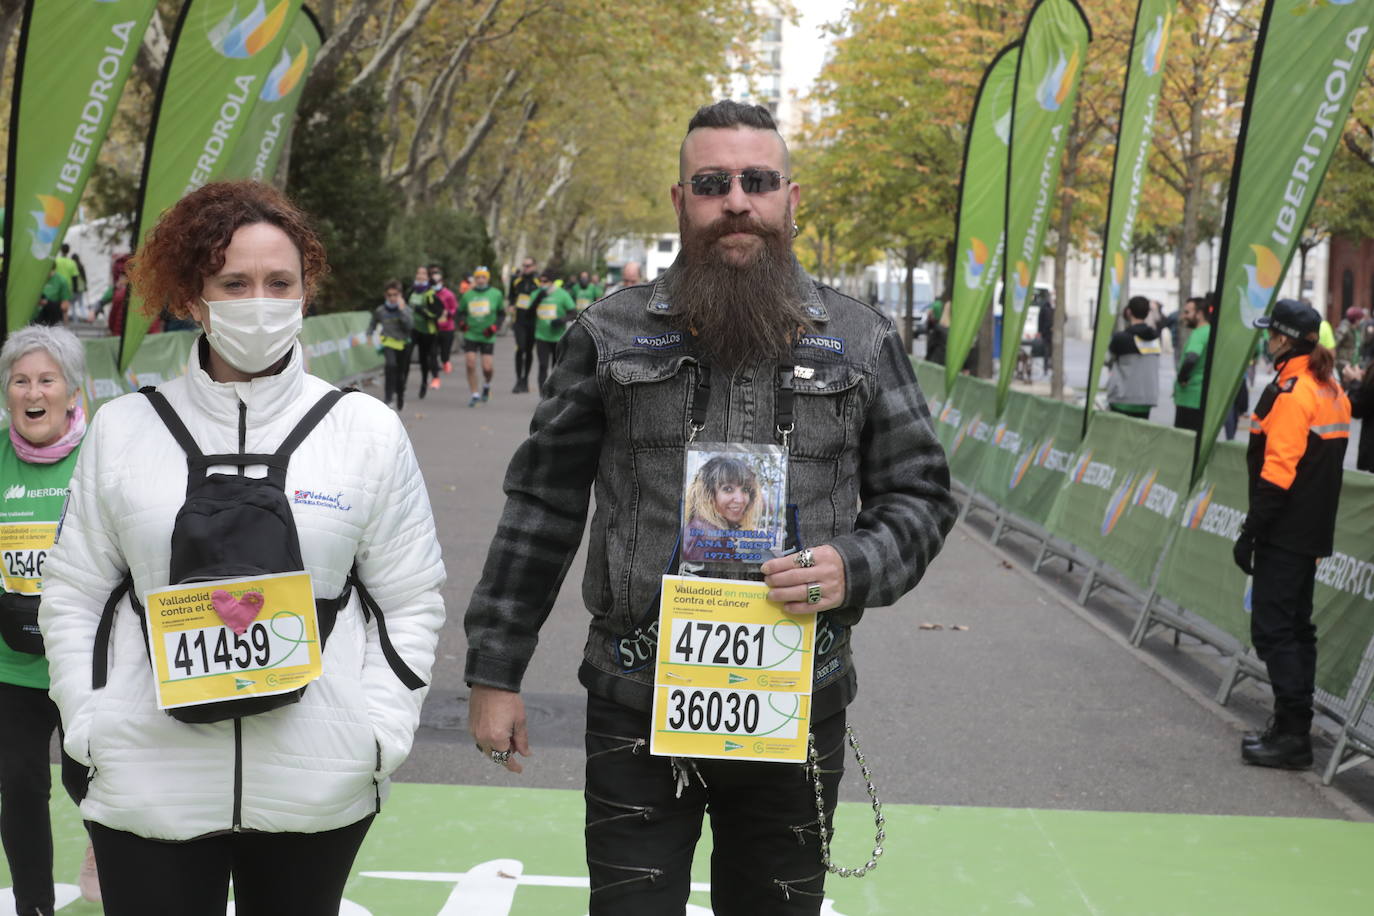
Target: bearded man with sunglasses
(734, 344)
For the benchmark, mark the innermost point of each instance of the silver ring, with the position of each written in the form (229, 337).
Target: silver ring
(813, 593)
(500, 757)
(804, 560)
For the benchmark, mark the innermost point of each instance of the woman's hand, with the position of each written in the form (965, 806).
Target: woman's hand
(789, 582)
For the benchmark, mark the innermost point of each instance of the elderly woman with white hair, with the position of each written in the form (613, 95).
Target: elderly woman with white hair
(42, 370)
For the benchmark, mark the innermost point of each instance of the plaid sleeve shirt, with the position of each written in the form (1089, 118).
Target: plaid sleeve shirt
(868, 475)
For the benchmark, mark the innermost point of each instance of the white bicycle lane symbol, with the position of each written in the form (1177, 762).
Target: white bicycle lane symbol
(486, 889)
(489, 889)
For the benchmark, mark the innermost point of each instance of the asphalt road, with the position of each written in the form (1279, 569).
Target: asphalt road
(1036, 704)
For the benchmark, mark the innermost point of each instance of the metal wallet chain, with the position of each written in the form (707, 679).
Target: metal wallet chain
(879, 822)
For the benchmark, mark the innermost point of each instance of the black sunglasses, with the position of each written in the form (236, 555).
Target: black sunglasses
(753, 181)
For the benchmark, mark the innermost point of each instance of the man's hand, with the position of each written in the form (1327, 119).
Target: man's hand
(1244, 553)
(788, 582)
(496, 719)
(1352, 374)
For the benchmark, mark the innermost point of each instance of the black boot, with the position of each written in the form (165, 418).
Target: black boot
(1286, 751)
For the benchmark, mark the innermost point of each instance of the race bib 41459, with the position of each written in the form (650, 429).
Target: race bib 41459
(232, 638)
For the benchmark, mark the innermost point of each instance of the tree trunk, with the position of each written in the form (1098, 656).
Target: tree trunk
(909, 297)
(1192, 198)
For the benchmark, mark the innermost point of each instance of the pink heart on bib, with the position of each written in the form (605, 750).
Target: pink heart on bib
(237, 613)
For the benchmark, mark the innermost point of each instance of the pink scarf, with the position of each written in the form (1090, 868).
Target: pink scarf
(51, 454)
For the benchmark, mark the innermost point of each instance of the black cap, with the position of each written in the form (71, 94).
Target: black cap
(1292, 319)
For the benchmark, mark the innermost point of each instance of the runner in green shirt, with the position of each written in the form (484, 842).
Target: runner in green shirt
(1192, 365)
(552, 306)
(55, 299)
(585, 292)
(480, 313)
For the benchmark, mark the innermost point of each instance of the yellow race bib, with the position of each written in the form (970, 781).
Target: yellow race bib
(232, 638)
(733, 679)
(24, 547)
(548, 311)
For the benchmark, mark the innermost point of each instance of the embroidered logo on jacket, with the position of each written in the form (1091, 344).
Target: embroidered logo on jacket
(666, 341)
(833, 344)
(322, 500)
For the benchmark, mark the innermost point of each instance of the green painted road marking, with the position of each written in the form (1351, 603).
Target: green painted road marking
(439, 850)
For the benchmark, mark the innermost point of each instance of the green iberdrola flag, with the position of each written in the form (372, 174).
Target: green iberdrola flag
(979, 235)
(67, 84)
(260, 147)
(221, 53)
(1139, 101)
(1309, 61)
(1053, 50)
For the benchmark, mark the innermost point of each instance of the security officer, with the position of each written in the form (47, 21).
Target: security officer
(1298, 437)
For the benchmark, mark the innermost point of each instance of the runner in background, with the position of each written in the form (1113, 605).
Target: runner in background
(585, 291)
(42, 370)
(444, 302)
(393, 318)
(424, 309)
(480, 313)
(447, 325)
(522, 290)
(553, 308)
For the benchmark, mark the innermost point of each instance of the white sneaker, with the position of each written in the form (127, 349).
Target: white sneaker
(89, 880)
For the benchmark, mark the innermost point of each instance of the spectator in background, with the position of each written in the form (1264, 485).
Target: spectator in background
(1360, 386)
(1349, 338)
(629, 276)
(937, 334)
(1192, 367)
(1133, 358)
(1045, 325)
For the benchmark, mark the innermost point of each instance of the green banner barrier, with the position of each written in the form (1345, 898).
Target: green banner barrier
(161, 358)
(1199, 574)
(73, 59)
(1032, 451)
(1139, 100)
(931, 378)
(980, 234)
(1308, 64)
(258, 151)
(1127, 485)
(221, 53)
(970, 412)
(104, 382)
(1344, 596)
(1053, 51)
(337, 347)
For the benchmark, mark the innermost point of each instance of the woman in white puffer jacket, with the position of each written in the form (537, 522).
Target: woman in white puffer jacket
(279, 800)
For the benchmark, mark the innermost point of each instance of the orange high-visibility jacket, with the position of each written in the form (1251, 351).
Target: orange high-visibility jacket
(1298, 435)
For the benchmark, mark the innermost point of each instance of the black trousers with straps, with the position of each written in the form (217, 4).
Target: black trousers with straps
(641, 832)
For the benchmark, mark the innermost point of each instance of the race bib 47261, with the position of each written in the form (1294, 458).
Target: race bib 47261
(733, 679)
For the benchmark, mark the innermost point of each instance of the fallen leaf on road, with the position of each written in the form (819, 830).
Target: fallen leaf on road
(959, 626)
(932, 626)
(1005, 564)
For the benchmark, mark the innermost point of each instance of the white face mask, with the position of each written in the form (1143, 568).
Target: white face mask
(253, 334)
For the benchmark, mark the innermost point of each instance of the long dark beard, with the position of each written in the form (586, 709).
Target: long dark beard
(737, 314)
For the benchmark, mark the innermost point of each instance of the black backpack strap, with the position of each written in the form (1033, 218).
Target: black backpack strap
(307, 423)
(393, 658)
(172, 422)
(100, 658)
